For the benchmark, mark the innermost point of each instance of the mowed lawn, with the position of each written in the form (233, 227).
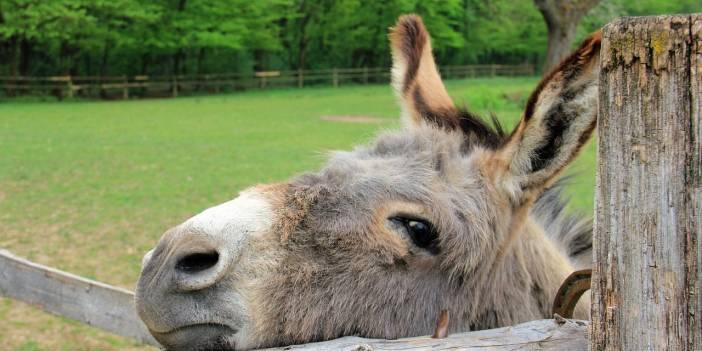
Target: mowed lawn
(89, 187)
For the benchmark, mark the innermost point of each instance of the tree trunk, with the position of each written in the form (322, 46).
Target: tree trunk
(67, 58)
(562, 18)
(12, 59)
(259, 60)
(13, 56)
(25, 56)
(178, 60)
(646, 292)
(560, 39)
(301, 55)
(179, 55)
(201, 55)
(104, 60)
(87, 64)
(144, 64)
(303, 39)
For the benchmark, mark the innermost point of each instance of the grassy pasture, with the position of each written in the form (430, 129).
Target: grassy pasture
(88, 187)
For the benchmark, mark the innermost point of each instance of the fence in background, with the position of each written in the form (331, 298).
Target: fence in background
(125, 87)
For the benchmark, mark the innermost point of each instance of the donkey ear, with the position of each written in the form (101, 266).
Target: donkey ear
(417, 83)
(559, 119)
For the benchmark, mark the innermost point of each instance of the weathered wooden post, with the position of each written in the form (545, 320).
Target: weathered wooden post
(648, 222)
(69, 87)
(125, 88)
(335, 77)
(174, 86)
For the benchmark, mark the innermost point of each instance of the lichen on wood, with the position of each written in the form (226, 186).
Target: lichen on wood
(648, 220)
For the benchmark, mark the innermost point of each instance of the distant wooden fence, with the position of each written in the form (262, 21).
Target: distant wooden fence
(124, 87)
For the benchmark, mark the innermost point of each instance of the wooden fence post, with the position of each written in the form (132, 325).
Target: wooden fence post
(335, 77)
(125, 89)
(648, 221)
(300, 78)
(69, 87)
(174, 86)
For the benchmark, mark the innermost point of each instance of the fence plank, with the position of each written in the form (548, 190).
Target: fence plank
(544, 335)
(64, 294)
(648, 218)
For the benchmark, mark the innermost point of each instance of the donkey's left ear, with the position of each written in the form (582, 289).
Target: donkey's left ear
(559, 119)
(423, 97)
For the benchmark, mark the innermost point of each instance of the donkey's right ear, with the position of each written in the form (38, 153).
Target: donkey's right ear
(423, 97)
(559, 118)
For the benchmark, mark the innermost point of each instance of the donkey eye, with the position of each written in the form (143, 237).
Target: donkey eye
(421, 232)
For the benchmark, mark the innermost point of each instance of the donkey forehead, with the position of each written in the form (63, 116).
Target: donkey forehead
(415, 165)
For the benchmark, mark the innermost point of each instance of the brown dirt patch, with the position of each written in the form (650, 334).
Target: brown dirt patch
(352, 119)
(518, 97)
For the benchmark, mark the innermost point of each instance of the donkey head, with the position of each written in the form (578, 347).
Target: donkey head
(436, 216)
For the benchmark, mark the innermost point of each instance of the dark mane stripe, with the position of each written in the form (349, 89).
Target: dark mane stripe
(476, 130)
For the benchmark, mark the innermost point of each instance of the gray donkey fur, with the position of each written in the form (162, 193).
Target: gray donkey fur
(448, 213)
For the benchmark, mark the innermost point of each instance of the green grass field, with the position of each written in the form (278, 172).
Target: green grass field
(89, 187)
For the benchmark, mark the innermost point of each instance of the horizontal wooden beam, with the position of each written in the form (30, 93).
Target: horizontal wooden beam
(546, 334)
(64, 294)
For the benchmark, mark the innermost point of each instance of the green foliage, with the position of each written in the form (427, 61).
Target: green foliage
(610, 9)
(113, 37)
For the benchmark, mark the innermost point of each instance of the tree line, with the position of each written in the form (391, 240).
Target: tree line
(159, 37)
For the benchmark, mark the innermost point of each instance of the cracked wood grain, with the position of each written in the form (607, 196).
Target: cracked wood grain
(648, 217)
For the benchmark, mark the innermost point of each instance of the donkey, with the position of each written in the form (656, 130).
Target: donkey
(448, 213)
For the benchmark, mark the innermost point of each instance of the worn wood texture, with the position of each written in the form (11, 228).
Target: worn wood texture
(544, 334)
(64, 294)
(647, 245)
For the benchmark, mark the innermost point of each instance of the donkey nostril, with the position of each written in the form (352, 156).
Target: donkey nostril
(197, 262)
(199, 270)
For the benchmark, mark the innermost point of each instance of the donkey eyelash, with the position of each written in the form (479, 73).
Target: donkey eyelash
(422, 232)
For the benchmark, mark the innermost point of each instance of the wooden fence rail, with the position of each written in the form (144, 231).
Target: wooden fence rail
(100, 305)
(125, 87)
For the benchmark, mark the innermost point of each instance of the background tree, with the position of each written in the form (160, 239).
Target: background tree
(562, 18)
